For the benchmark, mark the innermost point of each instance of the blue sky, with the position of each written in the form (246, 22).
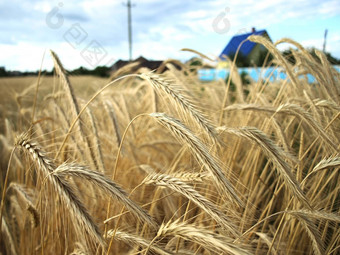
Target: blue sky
(160, 28)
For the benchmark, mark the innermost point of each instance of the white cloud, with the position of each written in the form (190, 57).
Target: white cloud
(24, 56)
(312, 43)
(160, 28)
(43, 6)
(330, 8)
(198, 14)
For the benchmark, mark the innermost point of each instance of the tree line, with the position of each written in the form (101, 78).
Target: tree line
(101, 71)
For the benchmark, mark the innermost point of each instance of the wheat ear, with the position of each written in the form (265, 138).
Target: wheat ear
(107, 185)
(80, 249)
(181, 102)
(190, 193)
(68, 87)
(311, 230)
(200, 151)
(47, 166)
(302, 114)
(276, 53)
(23, 197)
(191, 177)
(182, 176)
(275, 154)
(327, 163)
(268, 241)
(291, 109)
(317, 215)
(207, 239)
(137, 240)
(73, 105)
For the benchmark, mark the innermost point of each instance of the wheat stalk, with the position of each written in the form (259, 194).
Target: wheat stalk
(109, 108)
(7, 238)
(96, 153)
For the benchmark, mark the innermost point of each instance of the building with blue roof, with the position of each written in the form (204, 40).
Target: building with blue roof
(249, 51)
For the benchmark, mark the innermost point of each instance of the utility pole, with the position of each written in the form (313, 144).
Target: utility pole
(324, 40)
(129, 5)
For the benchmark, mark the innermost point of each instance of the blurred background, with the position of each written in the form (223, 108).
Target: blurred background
(96, 33)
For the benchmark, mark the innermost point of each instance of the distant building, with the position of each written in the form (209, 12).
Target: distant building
(142, 62)
(250, 52)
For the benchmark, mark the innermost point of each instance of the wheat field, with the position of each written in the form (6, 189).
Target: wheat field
(150, 163)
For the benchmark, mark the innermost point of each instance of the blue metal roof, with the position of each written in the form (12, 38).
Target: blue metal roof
(245, 49)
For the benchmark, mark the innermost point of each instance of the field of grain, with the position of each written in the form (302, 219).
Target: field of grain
(149, 163)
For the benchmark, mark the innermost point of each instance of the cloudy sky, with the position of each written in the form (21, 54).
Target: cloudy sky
(90, 33)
